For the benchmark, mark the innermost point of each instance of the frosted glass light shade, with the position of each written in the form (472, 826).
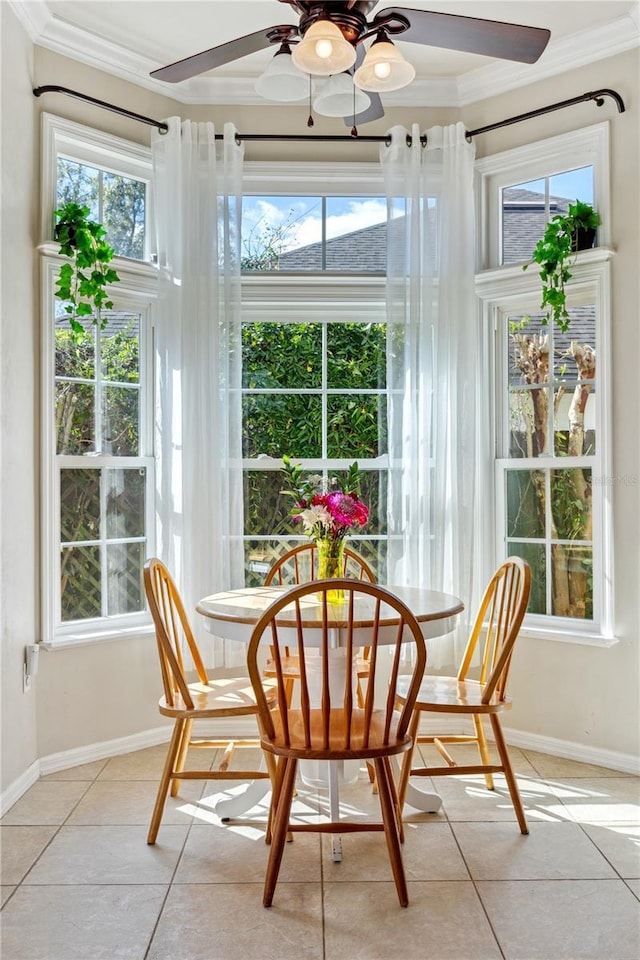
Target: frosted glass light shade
(323, 50)
(282, 81)
(383, 68)
(337, 98)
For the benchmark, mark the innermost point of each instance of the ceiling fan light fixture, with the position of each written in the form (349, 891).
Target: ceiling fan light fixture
(281, 80)
(340, 98)
(383, 68)
(323, 51)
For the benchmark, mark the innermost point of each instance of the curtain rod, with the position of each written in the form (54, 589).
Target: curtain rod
(597, 95)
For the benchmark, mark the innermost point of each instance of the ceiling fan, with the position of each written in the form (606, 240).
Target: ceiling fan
(317, 26)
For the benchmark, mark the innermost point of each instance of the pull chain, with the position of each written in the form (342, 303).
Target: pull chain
(354, 129)
(310, 120)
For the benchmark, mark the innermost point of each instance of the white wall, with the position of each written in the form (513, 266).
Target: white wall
(578, 693)
(95, 694)
(18, 400)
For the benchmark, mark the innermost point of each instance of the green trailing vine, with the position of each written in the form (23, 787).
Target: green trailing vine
(82, 283)
(554, 252)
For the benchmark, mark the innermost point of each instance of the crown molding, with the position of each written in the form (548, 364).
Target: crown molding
(567, 53)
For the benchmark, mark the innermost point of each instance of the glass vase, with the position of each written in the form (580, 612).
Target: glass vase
(331, 564)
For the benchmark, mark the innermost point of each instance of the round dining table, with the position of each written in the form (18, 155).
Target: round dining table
(232, 614)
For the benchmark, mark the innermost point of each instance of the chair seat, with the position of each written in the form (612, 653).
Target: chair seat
(375, 745)
(224, 697)
(291, 668)
(450, 694)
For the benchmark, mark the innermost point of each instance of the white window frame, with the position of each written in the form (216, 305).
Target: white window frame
(507, 289)
(136, 292)
(544, 158)
(271, 296)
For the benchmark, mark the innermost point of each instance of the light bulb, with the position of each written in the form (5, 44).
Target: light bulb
(382, 69)
(324, 48)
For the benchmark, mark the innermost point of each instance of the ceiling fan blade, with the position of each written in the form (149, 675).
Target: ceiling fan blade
(491, 38)
(217, 56)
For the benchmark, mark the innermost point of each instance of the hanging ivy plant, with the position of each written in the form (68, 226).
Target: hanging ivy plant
(564, 235)
(82, 284)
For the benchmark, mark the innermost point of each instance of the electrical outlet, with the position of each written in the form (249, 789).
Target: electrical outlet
(30, 666)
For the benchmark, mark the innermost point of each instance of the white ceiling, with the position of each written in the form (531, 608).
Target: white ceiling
(129, 38)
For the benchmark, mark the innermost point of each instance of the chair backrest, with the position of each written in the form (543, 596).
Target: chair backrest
(173, 630)
(300, 565)
(327, 718)
(499, 616)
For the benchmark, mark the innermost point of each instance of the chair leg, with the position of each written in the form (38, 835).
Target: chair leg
(498, 736)
(276, 771)
(165, 779)
(391, 831)
(483, 749)
(407, 758)
(394, 797)
(182, 755)
(280, 828)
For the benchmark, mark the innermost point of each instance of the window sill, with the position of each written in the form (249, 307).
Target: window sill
(88, 638)
(565, 636)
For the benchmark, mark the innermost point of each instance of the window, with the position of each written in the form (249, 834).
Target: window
(98, 468)
(550, 431)
(314, 350)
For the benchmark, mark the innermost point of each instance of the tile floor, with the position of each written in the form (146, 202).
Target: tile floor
(79, 881)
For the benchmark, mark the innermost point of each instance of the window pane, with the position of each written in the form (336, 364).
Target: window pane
(281, 355)
(121, 436)
(526, 504)
(279, 424)
(266, 509)
(373, 492)
(117, 202)
(572, 581)
(528, 360)
(571, 504)
(535, 555)
(125, 490)
(356, 231)
(74, 358)
(80, 586)
(78, 183)
(527, 208)
(356, 426)
(79, 505)
(120, 348)
(75, 418)
(124, 215)
(124, 578)
(281, 233)
(356, 355)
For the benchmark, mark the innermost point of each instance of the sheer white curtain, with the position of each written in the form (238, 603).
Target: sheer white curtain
(197, 189)
(432, 366)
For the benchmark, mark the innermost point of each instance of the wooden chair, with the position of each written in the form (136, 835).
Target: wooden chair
(327, 724)
(205, 699)
(299, 565)
(500, 616)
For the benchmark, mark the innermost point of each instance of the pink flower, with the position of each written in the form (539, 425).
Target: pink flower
(346, 509)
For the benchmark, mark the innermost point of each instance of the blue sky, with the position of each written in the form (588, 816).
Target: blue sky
(303, 215)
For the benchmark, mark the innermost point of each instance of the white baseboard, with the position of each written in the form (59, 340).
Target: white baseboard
(15, 790)
(245, 727)
(567, 749)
